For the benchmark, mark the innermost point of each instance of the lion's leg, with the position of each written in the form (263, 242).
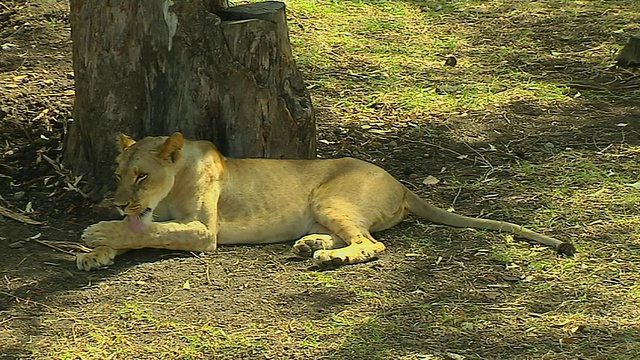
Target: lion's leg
(112, 238)
(360, 245)
(190, 236)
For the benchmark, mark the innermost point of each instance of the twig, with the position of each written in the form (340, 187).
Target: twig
(433, 145)
(6, 320)
(455, 198)
(477, 153)
(408, 183)
(55, 247)
(65, 93)
(585, 86)
(17, 217)
(27, 301)
(206, 263)
(602, 88)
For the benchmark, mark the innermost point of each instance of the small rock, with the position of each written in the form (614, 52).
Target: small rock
(451, 61)
(430, 180)
(446, 89)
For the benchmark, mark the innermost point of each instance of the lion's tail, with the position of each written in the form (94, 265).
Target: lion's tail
(422, 208)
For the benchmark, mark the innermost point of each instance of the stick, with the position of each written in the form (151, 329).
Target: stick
(55, 247)
(17, 217)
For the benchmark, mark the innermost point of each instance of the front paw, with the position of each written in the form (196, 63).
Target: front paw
(307, 245)
(97, 258)
(104, 233)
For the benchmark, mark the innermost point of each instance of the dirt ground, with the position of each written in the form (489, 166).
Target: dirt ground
(260, 302)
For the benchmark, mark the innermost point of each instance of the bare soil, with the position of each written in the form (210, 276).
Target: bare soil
(269, 304)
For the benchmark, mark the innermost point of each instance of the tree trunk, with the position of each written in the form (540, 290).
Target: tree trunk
(629, 55)
(157, 66)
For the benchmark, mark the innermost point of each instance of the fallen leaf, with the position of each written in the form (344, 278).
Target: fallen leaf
(467, 326)
(576, 329)
(598, 193)
(7, 46)
(635, 185)
(413, 255)
(430, 180)
(186, 285)
(563, 323)
(42, 114)
(492, 295)
(454, 356)
(569, 340)
(379, 132)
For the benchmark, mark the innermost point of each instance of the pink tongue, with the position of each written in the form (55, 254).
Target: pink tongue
(135, 224)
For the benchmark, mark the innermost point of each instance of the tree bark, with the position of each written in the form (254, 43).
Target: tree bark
(629, 55)
(153, 67)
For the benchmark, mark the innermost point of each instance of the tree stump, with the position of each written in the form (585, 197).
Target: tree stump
(157, 66)
(629, 55)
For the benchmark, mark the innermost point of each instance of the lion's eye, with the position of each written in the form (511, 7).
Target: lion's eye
(118, 177)
(140, 178)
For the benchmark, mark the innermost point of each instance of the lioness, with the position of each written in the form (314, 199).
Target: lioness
(200, 199)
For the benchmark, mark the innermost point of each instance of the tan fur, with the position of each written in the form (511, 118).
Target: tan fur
(199, 199)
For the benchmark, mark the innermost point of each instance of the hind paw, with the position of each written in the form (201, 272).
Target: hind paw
(352, 254)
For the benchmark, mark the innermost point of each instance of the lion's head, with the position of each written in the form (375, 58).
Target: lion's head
(145, 173)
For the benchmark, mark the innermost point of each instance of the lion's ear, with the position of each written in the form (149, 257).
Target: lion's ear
(124, 141)
(172, 147)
